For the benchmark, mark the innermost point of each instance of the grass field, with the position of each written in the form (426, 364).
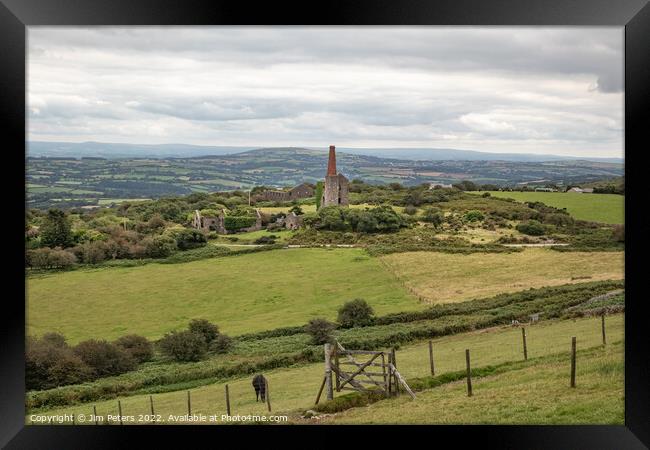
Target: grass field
(444, 277)
(241, 294)
(295, 388)
(606, 208)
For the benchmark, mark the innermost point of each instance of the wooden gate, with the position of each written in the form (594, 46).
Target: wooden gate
(360, 370)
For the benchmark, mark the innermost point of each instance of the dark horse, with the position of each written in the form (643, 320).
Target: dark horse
(259, 383)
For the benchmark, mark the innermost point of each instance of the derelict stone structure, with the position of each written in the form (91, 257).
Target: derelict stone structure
(301, 191)
(217, 223)
(336, 186)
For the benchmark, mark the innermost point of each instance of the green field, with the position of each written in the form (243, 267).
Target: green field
(537, 393)
(241, 294)
(447, 277)
(606, 208)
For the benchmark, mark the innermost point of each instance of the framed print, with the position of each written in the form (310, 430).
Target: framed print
(407, 218)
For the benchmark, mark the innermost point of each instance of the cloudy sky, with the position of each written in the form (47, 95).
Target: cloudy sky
(525, 89)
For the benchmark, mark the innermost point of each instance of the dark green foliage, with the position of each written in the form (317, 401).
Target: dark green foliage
(139, 347)
(264, 240)
(190, 238)
(158, 246)
(433, 216)
(184, 345)
(473, 216)
(410, 210)
(355, 313)
(297, 210)
(531, 228)
(104, 358)
(235, 223)
(50, 362)
(55, 230)
(373, 220)
(320, 330)
(208, 330)
(318, 194)
(221, 344)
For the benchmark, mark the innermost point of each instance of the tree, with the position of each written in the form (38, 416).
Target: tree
(188, 239)
(183, 345)
(208, 330)
(50, 362)
(355, 313)
(221, 344)
(158, 246)
(318, 193)
(139, 347)
(320, 330)
(48, 258)
(104, 358)
(55, 230)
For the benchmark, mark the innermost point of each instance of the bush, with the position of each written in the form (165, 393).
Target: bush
(183, 346)
(410, 210)
(320, 330)
(104, 358)
(158, 246)
(202, 327)
(433, 216)
(531, 228)
(50, 362)
(139, 347)
(188, 239)
(221, 344)
(264, 240)
(355, 313)
(93, 252)
(47, 258)
(473, 216)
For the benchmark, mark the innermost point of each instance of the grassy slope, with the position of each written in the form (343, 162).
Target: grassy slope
(443, 277)
(296, 388)
(606, 208)
(241, 294)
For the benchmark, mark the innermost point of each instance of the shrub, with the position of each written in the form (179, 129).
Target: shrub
(235, 223)
(139, 347)
(208, 330)
(47, 258)
(531, 228)
(265, 240)
(355, 313)
(473, 216)
(320, 330)
(221, 344)
(55, 230)
(158, 246)
(187, 239)
(104, 358)
(410, 210)
(93, 252)
(184, 345)
(50, 362)
(433, 216)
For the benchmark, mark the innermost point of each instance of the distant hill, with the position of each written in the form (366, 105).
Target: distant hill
(111, 150)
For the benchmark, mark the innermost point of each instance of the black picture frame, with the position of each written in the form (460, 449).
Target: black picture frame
(634, 15)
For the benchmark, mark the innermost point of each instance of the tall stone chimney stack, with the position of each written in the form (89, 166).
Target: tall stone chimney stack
(331, 164)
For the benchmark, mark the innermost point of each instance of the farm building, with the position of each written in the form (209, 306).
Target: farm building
(439, 186)
(577, 190)
(336, 185)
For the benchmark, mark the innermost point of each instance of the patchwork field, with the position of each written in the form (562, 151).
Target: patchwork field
(444, 277)
(295, 388)
(241, 294)
(606, 208)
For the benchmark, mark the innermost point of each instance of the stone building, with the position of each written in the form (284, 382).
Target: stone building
(217, 223)
(292, 221)
(301, 191)
(336, 188)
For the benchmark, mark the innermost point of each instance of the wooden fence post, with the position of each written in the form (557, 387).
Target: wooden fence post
(189, 404)
(395, 380)
(433, 372)
(573, 362)
(119, 411)
(95, 414)
(469, 374)
(602, 326)
(320, 391)
(328, 370)
(153, 416)
(227, 401)
(268, 395)
(523, 337)
(390, 375)
(73, 419)
(336, 363)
